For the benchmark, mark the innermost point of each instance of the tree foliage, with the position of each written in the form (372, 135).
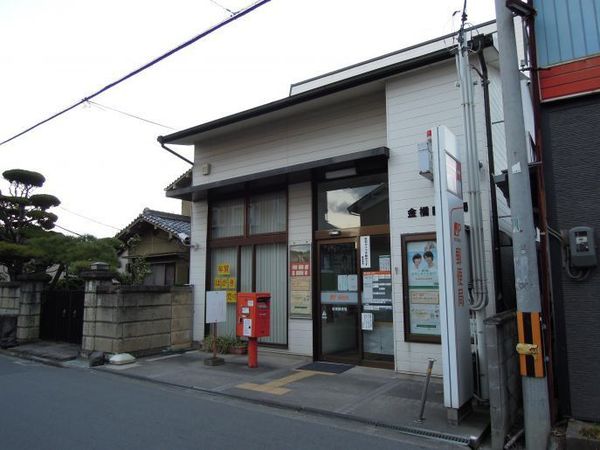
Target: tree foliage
(26, 243)
(21, 214)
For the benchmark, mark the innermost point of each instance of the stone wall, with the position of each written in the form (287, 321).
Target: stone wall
(23, 300)
(504, 377)
(9, 298)
(136, 319)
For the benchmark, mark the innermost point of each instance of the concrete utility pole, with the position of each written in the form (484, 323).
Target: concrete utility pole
(535, 390)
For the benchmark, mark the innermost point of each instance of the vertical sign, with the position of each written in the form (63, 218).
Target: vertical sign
(216, 306)
(454, 311)
(365, 252)
(300, 285)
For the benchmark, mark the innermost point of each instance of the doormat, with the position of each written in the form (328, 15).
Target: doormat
(319, 366)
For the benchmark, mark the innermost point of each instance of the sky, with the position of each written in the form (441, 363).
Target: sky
(106, 167)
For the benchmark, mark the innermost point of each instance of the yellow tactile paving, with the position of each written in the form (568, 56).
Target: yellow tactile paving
(275, 386)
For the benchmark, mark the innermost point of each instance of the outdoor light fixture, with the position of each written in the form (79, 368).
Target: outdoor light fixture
(349, 172)
(335, 233)
(520, 8)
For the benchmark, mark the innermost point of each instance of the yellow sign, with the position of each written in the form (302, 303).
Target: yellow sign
(231, 297)
(223, 270)
(225, 283)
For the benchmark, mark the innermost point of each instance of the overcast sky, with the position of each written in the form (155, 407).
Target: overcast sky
(106, 166)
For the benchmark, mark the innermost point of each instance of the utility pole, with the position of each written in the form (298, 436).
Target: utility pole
(536, 405)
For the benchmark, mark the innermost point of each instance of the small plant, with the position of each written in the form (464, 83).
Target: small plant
(224, 344)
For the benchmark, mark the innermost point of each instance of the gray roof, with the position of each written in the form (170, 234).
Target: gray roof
(176, 224)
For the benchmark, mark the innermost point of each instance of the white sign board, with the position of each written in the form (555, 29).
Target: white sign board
(452, 255)
(365, 252)
(367, 321)
(216, 306)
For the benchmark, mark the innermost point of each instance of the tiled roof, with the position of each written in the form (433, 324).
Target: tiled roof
(176, 224)
(184, 180)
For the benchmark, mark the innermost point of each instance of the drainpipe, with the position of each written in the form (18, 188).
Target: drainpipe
(478, 298)
(173, 152)
(545, 270)
(485, 82)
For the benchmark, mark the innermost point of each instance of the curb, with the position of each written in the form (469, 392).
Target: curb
(27, 356)
(418, 432)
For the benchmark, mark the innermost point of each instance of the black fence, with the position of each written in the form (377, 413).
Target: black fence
(61, 317)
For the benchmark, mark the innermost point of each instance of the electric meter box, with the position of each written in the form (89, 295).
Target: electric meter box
(582, 247)
(253, 314)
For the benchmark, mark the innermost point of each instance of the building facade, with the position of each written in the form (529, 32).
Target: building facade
(317, 198)
(566, 56)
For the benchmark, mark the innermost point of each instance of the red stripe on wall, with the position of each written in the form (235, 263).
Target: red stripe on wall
(576, 77)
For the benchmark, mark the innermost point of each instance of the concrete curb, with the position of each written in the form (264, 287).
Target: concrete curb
(27, 356)
(418, 432)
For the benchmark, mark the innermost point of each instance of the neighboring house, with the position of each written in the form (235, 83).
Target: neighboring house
(164, 243)
(333, 162)
(566, 62)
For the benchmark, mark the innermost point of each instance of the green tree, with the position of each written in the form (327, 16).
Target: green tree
(22, 214)
(70, 255)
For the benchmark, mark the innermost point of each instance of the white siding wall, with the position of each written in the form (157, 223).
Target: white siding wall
(198, 265)
(499, 142)
(417, 102)
(345, 127)
(300, 331)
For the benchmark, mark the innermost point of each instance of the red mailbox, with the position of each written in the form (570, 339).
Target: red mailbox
(253, 320)
(253, 314)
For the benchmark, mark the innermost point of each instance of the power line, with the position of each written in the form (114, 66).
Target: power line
(133, 116)
(222, 7)
(89, 218)
(69, 231)
(212, 29)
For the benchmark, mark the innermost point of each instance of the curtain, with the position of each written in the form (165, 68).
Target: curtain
(271, 276)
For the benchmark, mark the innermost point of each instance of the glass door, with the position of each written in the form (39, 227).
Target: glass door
(339, 329)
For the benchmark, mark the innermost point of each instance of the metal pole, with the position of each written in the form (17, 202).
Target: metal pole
(535, 390)
(424, 394)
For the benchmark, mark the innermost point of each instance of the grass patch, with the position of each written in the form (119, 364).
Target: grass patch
(592, 432)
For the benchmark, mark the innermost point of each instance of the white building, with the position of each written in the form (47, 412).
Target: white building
(282, 194)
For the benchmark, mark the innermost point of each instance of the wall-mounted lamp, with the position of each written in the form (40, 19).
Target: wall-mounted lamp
(335, 233)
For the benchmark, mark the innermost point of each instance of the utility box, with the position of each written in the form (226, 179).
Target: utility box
(253, 318)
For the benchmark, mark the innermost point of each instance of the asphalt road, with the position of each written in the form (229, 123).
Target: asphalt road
(44, 407)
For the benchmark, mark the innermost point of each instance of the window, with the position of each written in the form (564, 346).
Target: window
(249, 237)
(353, 202)
(227, 218)
(266, 213)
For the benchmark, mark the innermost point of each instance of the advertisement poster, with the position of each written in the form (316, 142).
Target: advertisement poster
(423, 287)
(300, 281)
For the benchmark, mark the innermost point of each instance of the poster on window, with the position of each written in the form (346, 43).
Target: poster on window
(300, 281)
(422, 287)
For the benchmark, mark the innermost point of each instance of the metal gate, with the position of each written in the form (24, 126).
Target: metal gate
(61, 317)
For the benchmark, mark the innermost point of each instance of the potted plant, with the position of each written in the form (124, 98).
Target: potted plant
(239, 347)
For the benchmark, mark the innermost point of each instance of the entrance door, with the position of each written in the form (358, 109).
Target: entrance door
(339, 329)
(346, 294)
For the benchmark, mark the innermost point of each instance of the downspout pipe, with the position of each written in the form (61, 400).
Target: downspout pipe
(160, 141)
(479, 296)
(485, 82)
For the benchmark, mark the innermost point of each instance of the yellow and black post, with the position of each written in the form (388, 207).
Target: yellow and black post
(530, 348)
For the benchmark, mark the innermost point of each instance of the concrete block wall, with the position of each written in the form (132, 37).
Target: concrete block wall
(503, 373)
(137, 319)
(9, 298)
(23, 299)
